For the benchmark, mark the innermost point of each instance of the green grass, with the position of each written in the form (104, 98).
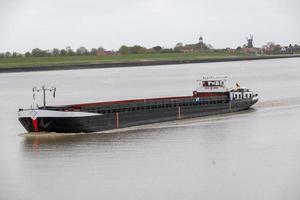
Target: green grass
(73, 60)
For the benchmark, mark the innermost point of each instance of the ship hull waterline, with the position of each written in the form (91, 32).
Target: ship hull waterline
(93, 122)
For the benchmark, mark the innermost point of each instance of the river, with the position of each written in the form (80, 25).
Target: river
(249, 155)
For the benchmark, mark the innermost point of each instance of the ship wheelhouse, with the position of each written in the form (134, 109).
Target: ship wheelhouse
(216, 86)
(211, 86)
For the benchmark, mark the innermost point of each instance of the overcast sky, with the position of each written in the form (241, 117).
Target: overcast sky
(26, 24)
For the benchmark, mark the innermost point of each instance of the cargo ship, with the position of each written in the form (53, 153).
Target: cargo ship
(211, 97)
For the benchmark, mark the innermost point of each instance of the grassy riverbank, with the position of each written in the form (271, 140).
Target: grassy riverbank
(65, 62)
(73, 60)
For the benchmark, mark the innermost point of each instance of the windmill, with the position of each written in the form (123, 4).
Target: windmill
(250, 41)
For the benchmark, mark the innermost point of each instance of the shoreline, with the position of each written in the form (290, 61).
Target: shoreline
(137, 63)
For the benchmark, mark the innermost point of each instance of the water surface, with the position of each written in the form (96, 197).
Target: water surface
(248, 155)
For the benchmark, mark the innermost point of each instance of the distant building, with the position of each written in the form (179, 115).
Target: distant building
(201, 40)
(103, 52)
(229, 50)
(284, 50)
(187, 49)
(251, 50)
(200, 46)
(296, 48)
(291, 49)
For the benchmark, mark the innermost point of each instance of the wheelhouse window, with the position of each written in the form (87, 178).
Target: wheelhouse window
(212, 83)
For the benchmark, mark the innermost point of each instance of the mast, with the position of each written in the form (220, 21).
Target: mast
(44, 89)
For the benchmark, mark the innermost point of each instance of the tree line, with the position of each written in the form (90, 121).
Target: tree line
(269, 48)
(68, 51)
(82, 51)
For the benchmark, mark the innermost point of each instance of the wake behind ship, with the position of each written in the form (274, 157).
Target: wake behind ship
(211, 97)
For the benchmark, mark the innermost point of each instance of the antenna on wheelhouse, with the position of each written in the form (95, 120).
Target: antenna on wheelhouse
(44, 89)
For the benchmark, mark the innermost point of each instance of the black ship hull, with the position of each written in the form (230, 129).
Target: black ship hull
(95, 122)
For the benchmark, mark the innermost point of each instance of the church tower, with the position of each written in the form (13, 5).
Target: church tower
(201, 40)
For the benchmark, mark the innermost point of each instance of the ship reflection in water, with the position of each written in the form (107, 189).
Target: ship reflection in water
(39, 140)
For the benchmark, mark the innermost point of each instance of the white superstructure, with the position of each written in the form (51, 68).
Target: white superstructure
(217, 84)
(212, 84)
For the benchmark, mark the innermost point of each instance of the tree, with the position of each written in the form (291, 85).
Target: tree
(179, 45)
(157, 48)
(70, 52)
(7, 54)
(93, 51)
(124, 50)
(101, 49)
(136, 49)
(14, 54)
(277, 49)
(167, 51)
(272, 48)
(63, 52)
(56, 52)
(38, 52)
(268, 48)
(82, 51)
(27, 54)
